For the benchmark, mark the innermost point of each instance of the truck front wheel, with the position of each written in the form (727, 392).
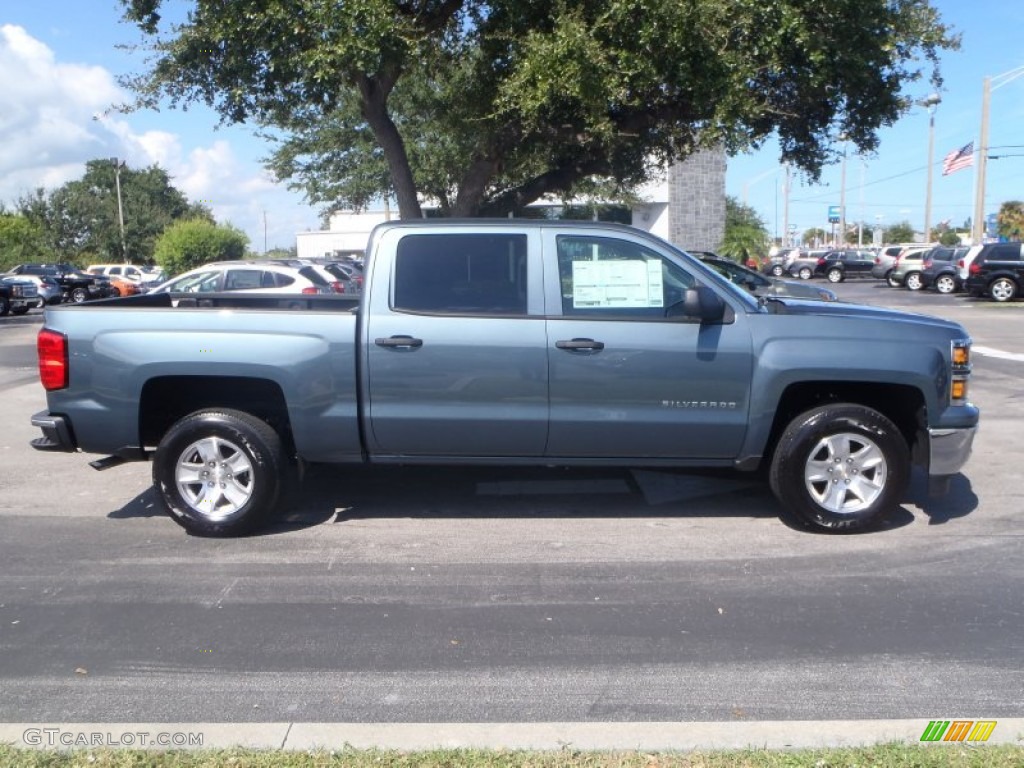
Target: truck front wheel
(220, 472)
(840, 467)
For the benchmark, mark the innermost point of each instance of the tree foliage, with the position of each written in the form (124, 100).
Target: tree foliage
(80, 223)
(903, 232)
(484, 107)
(193, 242)
(21, 240)
(814, 237)
(1010, 220)
(746, 236)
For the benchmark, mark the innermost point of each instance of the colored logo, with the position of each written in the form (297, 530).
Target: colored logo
(958, 730)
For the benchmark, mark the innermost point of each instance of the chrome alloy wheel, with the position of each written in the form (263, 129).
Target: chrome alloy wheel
(845, 472)
(214, 477)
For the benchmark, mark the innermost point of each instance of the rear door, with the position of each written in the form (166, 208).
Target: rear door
(627, 381)
(455, 344)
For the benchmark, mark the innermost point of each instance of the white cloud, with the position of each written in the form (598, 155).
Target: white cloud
(55, 116)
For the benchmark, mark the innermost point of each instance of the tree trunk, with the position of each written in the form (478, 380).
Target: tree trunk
(374, 93)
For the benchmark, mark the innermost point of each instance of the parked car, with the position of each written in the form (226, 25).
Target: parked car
(125, 286)
(885, 259)
(998, 271)
(47, 287)
(778, 265)
(18, 295)
(939, 270)
(838, 266)
(758, 284)
(804, 265)
(127, 271)
(348, 273)
(260, 277)
(76, 286)
(907, 263)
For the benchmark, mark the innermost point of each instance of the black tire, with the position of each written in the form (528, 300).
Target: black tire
(79, 295)
(835, 275)
(1002, 289)
(871, 456)
(912, 281)
(891, 280)
(19, 310)
(805, 273)
(778, 270)
(5, 306)
(253, 470)
(945, 284)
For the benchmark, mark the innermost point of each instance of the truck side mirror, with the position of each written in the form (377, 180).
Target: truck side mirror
(702, 303)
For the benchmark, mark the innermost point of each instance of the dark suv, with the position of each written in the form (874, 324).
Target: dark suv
(76, 286)
(838, 266)
(997, 270)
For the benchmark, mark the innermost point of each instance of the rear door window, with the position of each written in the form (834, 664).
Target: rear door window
(463, 274)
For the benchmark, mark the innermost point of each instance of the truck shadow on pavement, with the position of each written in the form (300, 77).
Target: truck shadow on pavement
(330, 494)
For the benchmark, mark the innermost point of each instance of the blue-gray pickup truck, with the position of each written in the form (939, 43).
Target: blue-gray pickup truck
(510, 342)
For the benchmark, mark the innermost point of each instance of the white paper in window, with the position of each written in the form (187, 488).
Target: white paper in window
(616, 284)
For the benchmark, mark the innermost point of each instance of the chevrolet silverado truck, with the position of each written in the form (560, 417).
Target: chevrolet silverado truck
(514, 343)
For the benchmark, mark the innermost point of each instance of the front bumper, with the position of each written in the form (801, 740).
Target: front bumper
(949, 449)
(57, 434)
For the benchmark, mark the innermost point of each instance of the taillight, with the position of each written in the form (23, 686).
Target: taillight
(960, 263)
(310, 291)
(927, 265)
(337, 287)
(896, 261)
(820, 262)
(52, 348)
(878, 259)
(975, 268)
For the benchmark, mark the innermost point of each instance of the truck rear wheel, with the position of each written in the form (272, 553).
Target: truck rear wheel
(220, 472)
(840, 467)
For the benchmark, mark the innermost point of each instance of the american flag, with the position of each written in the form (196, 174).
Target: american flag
(958, 158)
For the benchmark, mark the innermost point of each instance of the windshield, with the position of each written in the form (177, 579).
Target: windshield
(711, 277)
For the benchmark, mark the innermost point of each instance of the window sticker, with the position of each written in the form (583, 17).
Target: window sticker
(616, 284)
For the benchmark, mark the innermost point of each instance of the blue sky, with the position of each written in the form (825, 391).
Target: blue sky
(59, 63)
(891, 186)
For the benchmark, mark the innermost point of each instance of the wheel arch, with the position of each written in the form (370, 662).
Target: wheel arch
(166, 399)
(902, 404)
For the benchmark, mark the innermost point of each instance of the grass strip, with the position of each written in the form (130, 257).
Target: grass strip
(882, 756)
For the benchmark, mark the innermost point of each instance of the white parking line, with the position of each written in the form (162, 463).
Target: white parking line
(998, 353)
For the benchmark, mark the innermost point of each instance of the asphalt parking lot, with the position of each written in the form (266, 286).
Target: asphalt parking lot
(487, 595)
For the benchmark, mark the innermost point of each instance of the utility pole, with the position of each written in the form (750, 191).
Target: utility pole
(118, 165)
(842, 197)
(785, 212)
(978, 224)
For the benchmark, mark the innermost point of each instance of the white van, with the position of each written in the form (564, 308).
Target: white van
(127, 271)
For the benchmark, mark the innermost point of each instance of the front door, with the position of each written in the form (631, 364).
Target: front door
(627, 380)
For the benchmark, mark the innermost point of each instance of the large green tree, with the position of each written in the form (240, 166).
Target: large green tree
(21, 240)
(80, 220)
(189, 243)
(486, 106)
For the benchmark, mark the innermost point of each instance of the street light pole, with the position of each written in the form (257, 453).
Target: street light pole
(842, 199)
(931, 102)
(118, 165)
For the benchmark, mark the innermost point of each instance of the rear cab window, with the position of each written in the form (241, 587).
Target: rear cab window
(462, 273)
